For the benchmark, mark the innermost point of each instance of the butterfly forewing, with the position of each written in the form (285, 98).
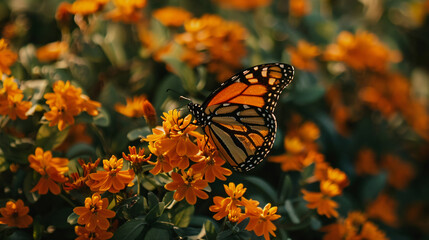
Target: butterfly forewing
(258, 86)
(238, 116)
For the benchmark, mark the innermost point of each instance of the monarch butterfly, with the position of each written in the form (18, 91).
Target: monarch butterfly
(238, 117)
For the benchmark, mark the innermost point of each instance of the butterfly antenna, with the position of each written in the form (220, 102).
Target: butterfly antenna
(182, 97)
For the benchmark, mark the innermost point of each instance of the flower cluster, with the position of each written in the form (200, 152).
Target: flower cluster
(260, 219)
(15, 214)
(243, 4)
(51, 169)
(213, 41)
(11, 100)
(175, 148)
(355, 226)
(113, 178)
(300, 146)
(66, 102)
(361, 51)
(302, 56)
(7, 56)
(93, 215)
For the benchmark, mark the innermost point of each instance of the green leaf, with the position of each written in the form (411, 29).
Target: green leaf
(155, 212)
(185, 73)
(152, 200)
(168, 198)
(138, 133)
(81, 150)
(306, 95)
(261, 188)
(227, 234)
(182, 215)
(72, 218)
(29, 183)
(50, 137)
(131, 208)
(102, 119)
(3, 164)
(372, 186)
(130, 230)
(308, 171)
(210, 229)
(286, 189)
(157, 233)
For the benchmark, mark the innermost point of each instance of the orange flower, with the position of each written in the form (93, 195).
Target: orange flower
(172, 16)
(127, 11)
(322, 200)
(149, 113)
(77, 181)
(224, 206)
(188, 185)
(214, 41)
(95, 213)
(261, 221)
(112, 179)
(302, 57)
(63, 12)
(51, 169)
(66, 102)
(366, 163)
(299, 8)
(400, 173)
(384, 208)
(13, 106)
(15, 214)
(7, 57)
(162, 163)
(51, 51)
(361, 51)
(97, 234)
(138, 107)
(137, 159)
(300, 146)
(86, 7)
(174, 137)
(355, 226)
(243, 5)
(210, 165)
(11, 103)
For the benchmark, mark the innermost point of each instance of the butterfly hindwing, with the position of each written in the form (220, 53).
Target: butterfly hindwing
(249, 129)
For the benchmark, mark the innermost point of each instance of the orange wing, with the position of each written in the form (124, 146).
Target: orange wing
(259, 86)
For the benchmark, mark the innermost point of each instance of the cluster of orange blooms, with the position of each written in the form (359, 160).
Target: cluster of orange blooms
(355, 226)
(301, 152)
(66, 102)
(7, 56)
(175, 149)
(400, 172)
(94, 217)
(51, 169)
(213, 41)
(11, 100)
(244, 5)
(361, 51)
(15, 214)
(123, 11)
(231, 207)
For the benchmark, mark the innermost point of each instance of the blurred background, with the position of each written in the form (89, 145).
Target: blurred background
(359, 100)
